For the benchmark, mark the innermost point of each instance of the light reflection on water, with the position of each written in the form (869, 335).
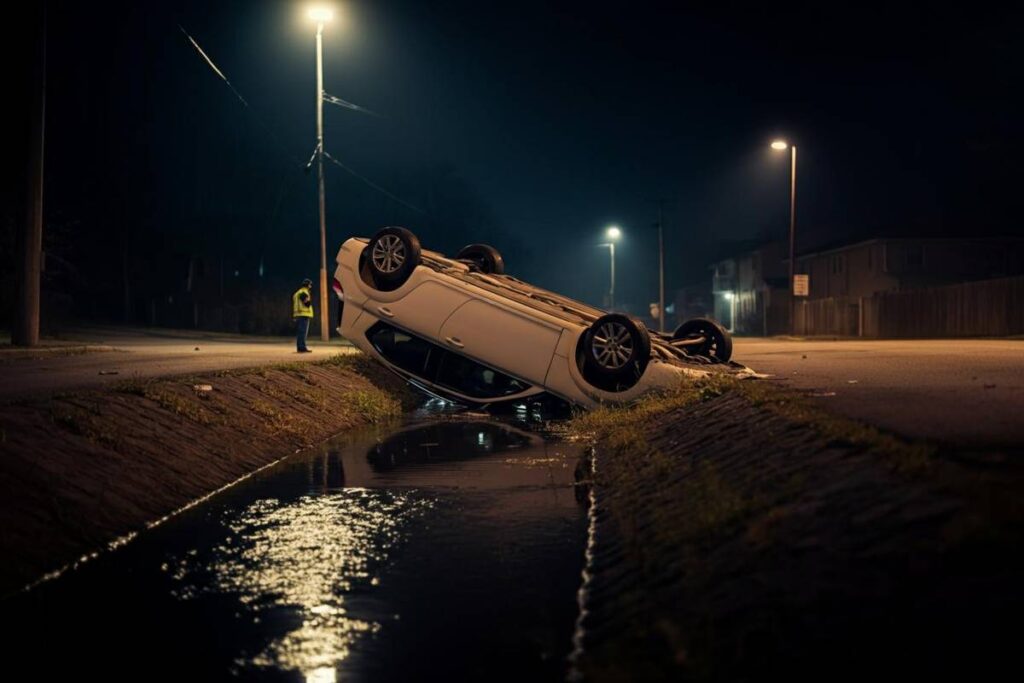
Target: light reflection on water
(465, 527)
(305, 555)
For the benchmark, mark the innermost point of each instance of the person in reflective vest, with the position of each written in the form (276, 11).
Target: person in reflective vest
(302, 313)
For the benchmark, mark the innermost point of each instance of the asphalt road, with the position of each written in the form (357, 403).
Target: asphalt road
(94, 358)
(964, 392)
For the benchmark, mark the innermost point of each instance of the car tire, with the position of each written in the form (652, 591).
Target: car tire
(485, 257)
(615, 351)
(717, 344)
(392, 255)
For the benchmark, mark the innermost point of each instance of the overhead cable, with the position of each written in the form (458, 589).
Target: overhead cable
(373, 184)
(348, 105)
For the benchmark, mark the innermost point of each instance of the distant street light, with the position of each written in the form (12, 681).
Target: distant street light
(321, 15)
(781, 145)
(613, 233)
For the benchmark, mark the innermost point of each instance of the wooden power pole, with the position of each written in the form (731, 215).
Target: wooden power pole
(25, 331)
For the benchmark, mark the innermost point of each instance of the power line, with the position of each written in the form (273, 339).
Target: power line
(374, 185)
(349, 105)
(212, 65)
(258, 119)
(329, 98)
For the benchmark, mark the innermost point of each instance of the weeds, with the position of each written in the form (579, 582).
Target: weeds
(372, 405)
(83, 423)
(622, 428)
(178, 405)
(136, 385)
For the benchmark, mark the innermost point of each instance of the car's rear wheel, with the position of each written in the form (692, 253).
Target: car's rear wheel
(485, 257)
(615, 350)
(716, 344)
(392, 254)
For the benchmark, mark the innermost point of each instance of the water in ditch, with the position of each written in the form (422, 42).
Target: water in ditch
(444, 550)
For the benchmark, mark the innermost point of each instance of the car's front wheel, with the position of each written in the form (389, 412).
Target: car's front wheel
(392, 254)
(615, 352)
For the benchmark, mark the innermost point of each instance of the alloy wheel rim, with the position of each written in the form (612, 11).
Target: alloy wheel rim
(613, 345)
(388, 254)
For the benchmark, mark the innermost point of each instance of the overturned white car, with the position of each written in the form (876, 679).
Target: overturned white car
(462, 330)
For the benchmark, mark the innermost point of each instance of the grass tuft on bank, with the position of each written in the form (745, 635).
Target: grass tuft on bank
(623, 428)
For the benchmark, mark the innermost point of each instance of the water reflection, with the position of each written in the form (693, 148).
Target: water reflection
(445, 442)
(297, 562)
(451, 547)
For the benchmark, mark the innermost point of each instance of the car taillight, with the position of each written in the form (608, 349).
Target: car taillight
(336, 285)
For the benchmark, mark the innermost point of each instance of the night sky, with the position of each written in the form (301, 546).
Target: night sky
(530, 126)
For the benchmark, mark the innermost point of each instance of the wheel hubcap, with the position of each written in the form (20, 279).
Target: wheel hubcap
(613, 345)
(388, 254)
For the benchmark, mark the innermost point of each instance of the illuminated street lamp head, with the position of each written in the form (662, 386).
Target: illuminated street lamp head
(780, 144)
(614, 233)
(321, 14)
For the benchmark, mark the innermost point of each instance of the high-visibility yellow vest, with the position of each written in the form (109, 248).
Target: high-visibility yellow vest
(299, 309)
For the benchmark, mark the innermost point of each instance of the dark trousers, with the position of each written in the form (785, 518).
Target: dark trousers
(301, 331)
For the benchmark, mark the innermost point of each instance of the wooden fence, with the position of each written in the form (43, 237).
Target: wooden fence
(838, 316)
(990, 308)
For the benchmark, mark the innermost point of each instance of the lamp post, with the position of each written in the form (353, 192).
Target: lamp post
(613, 233)
(782, 145)
(321, 15)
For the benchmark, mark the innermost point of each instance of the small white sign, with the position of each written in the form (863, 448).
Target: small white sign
(801, 285)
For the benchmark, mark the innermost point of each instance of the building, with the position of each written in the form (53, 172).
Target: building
(751, 297)
(691, 301)
(882, 265)
(749, 291)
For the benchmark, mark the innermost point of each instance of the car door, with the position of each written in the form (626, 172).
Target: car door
(422, 310)
(502, 337)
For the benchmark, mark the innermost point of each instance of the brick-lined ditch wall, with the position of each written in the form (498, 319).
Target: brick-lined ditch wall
(735, 543)
(79, 470)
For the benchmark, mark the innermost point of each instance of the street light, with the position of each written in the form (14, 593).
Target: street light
(782, 145)
(613, 233)
(321, 15)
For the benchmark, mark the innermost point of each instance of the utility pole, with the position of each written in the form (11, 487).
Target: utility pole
(661, 265)
(611, 289)
(25, 331)
(324, 311)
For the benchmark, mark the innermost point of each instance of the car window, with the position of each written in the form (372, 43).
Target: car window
(405, 350)
(472, 379)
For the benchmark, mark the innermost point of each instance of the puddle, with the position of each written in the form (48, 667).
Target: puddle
(449, 549)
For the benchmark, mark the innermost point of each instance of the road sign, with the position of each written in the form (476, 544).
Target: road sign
(801, 285)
